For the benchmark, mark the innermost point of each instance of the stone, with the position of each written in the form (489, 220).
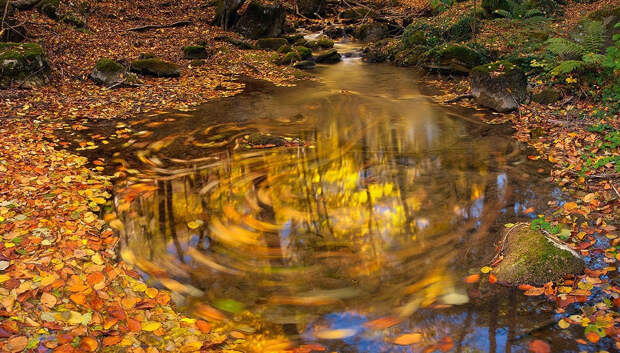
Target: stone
(328, 57)
(261, 20)
(23, 63)
(532, 258)
(107, 72)
(195, 52)
(370, 32)
(379, 52)
(453, 57)
(304, 65)
(271, 43)
(289, 58)
(546, 96)
(501, 86)
(304, 53)
(24, 4)
(334, 32)
(325, 43)
(155, 67)
(311, 8)
(49, 8)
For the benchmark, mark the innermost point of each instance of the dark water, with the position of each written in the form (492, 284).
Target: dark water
(301, 214)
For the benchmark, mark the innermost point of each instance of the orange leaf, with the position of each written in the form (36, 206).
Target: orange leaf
(593, 337)
(526, 287)
(95, 278)
(446, 344)
(203, 326)
(75, 284)
(77, 298)
(539, 346)
(408, 338)
(89, 344)
(134, 325)
(534, 292)
(382, 323)
(492, 278)
(472, 278)
(111, 340)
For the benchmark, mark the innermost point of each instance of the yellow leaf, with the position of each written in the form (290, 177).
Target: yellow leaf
(150, 326)
(335, 334)
(4, 278)
(195, 224)
(486, 269)
(563, 324)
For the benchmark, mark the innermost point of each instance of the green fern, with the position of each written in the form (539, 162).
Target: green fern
(593, 36)
(564, 47)
(503, 13)
(567, 66)
(593, 59)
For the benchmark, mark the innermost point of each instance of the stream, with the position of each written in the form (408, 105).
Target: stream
(344, 212)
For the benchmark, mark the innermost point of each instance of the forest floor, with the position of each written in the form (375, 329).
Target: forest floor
(62, 287)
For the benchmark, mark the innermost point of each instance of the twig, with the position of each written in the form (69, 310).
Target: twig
(616, 190)
(147, 27)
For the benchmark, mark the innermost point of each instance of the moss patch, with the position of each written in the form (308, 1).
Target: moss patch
(155, 67)
(497, 66)
(533, 259)
(271, 43)
(22, 62)
(108, 66)
(195, 52)
(304, 53)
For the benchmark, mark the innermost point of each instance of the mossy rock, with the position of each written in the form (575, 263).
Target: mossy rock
(500, 85)
(381, 51)
(547, 96)
(73, 20)
(335, 31)
(289, 58)
(155, 67)
(370, 32)
(328, 57)
(285, 49)
(107, 72)
(453, 57)
(195, 52)
(292, 39)
(532, 258)
(412, 56)
(261, 20)
(23, 63)
(304, 65)
(271, 43)
(311, 44)
(304, 53)
(301, 42)
(421, 33)
(325, 43)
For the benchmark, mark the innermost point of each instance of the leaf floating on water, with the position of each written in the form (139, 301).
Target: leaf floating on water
(335, 334)
(383, 322)
(195, 224)
(408, 338)
(229, 305)
(455, 299)
(539, 346)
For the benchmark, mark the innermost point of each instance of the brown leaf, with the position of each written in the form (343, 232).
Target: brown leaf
(16, 344)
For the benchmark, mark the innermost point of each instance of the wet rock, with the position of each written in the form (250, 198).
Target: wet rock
(379, 52)
(335, 32)
(304, 65)
(289, 58)
(261, 20)
(370, 32)
(501, 86)
(453, 57)
(271, 43)
(310, 8)
(325, 43)
(546, 96)
(155, 67)
(24, 4)
(23, 63)
(285, 49)
(532, 258)
(328, 57)
(107, 72)
(195, 52)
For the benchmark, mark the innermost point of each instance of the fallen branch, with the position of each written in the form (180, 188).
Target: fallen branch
(148, 27)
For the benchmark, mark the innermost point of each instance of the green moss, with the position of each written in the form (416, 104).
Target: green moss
(325, 43)
(196, 63)
(108, 66)
(546, 96)
(155, 67)
(28, 51)
(285, 49)
(195, 52)
(456, 52)
(290, 58)
(461, 30)
(301, 42)
(271, 43)
(421, 33)
(22, 62)
(73, 20)
(531, 258)
(292, 39)
(312, 44)
(497, 66)
(304, 53)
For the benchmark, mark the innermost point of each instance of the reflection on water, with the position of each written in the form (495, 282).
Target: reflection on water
(311, 211)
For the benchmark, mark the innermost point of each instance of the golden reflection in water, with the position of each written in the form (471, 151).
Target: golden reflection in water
(380, 205)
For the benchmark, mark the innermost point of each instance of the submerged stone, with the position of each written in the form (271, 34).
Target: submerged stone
(532, 258)
(155, 67)
(23, 63)
(501, 86)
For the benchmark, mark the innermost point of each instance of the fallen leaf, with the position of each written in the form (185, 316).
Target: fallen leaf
(539, 346)
(408, 338)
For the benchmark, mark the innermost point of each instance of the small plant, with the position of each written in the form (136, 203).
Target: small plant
(439, 6)
(541, 224)
(579, 54)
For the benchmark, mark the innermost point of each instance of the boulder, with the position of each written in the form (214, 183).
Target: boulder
(370, 32)
(261, 19)
(23, 63)
(325, 43)
(304, 65)
(501, 86)
(195, 52)
(271, 43)
(155, 67)
(107, 72)
(24, 4)
(532, 258)
(546, 96)
(289, 58)
(311, 8)
(304, 53)
(335, 32)
(49, 8)
(453, 57)
(328, 57)
(379, 52)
